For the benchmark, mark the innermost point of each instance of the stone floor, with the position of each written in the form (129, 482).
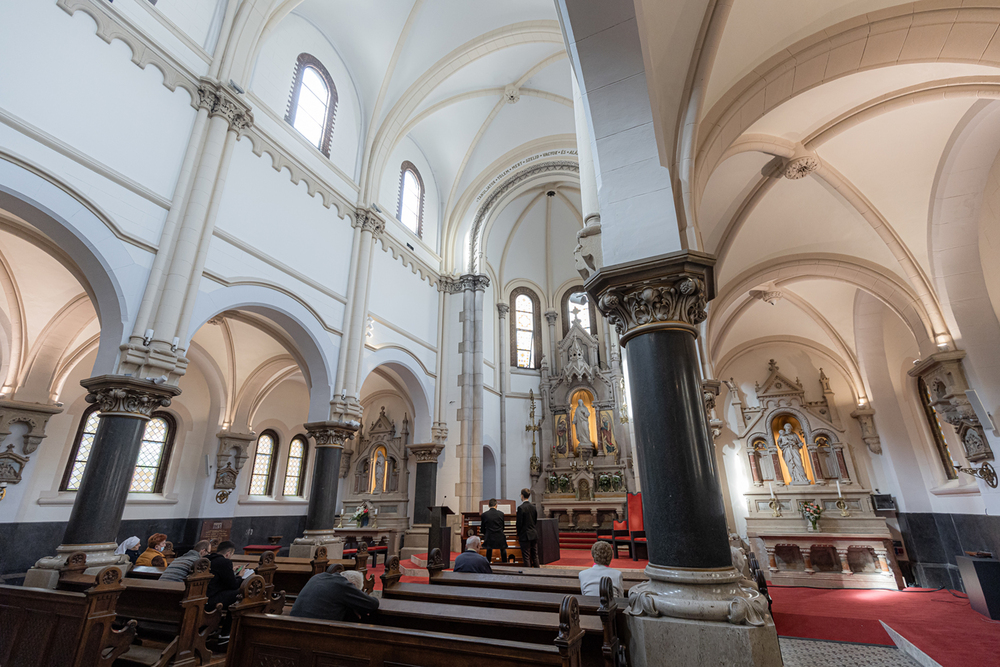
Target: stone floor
(816, 653)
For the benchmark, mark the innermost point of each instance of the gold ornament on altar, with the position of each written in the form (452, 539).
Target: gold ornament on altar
(842, 506)
(775, 507)
(534, 427)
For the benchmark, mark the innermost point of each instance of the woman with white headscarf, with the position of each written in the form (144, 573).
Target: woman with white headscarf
(129, 547)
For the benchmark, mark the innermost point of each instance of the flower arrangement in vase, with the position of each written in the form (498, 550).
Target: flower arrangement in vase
(360, 516)
(812, 512)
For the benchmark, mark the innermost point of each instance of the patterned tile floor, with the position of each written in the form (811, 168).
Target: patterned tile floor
(815, 653)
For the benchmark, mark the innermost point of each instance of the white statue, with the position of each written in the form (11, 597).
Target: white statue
(379, 472)
(581, 419)
(790, 446)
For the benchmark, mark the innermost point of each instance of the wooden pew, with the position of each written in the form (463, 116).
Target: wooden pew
(45, 628)
(173, 625)
(627, 575)
(605, 608)
(290, 575)
(296, 642)
(145, 572)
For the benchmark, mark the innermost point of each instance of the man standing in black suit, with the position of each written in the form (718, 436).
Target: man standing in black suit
(493, 535)
(527, 536)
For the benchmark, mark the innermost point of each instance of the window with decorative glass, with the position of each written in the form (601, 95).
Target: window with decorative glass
(940, 444)
(150, 466)
(411, 198)
(578, 307)
(524, 327)
(313, 103)
(296, 468)
(263, 464)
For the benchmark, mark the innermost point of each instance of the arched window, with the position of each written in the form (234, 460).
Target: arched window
(411, 198)
(940, 444)
(151, 465)
(295, 471)
(576, 307)
(525, 329)
(262, 473)
(313, 103)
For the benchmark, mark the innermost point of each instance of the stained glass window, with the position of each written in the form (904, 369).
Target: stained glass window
(411, 198)
(579, 310)
(296, 468)
(150, 465)
(313, 103)
(263, 464)
(524, 331)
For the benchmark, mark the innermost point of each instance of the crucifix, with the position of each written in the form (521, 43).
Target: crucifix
(576, 315)
(536, 466)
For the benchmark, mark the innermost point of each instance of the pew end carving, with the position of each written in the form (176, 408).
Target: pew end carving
(435, 562)
(392, 573)
(570, 635)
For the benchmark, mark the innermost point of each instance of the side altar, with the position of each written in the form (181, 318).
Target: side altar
(375, 475)
(795, 452)
(585, 470)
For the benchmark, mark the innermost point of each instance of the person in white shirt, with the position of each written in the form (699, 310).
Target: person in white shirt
(590, 579)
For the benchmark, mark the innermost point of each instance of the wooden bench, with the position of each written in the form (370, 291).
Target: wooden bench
(45, 628)
(296, 642)
(145, 572)
(290, 575)
(627, 575)
(605, 608)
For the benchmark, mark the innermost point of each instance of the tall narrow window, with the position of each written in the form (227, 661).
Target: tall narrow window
(296, 469)
(940, 444)
(411, 198)
(154, 453)
(313, 103)
(525, 328)
(262, 473)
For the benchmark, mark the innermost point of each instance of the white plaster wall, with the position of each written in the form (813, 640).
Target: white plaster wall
(273, 78)
(401, 297)
(388, 194)
(97, 101)
(194, 17)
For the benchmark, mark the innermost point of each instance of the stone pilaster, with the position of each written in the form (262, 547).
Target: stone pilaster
(944, 375)
(656, 306)
(551, 317)
(470, 414)
(502, 310)
(126, 404)
(330, 437)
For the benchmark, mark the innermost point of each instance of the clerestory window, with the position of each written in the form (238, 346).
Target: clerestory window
(313, 102)
(411, 198)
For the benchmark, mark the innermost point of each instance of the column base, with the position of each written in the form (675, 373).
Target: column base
(305, 546)
(415, 540)
(720, 595)
(690, 642)
(45, 572)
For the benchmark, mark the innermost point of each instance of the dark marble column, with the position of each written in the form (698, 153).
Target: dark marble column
(321, 515)
(425, 491)
(126, 405)
(656, 305)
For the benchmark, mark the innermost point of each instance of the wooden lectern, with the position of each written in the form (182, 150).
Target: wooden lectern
(439, 534)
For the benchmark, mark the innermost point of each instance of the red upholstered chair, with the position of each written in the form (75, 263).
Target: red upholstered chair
(636, 532)
(620, 537)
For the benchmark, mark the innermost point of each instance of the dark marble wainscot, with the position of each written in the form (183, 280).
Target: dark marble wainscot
(934, 540)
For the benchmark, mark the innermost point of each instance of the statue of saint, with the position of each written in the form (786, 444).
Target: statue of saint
(379, 473)
(581, 419)
(790, 445)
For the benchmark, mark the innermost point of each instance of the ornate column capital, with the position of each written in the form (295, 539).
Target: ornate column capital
(943, 374)
(474, 281)
(503, 309)
(126, 396)
(551, 316)
(426, 453)
(439, 433)
(221, 101)
(666, 292)
(369, 221)
(332, 434)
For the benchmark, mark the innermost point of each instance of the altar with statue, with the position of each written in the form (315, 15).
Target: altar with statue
(585, 470)
(809, 517)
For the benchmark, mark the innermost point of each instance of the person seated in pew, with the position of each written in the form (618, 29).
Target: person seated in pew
(590, 579)
(129, 547)
(182, 566)
(470, 561)
(154, 547)
(334, 596)
(493, 535)
(225, 584)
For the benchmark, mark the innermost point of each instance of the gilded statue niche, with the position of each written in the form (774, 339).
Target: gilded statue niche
(784, 435)
(591, 418)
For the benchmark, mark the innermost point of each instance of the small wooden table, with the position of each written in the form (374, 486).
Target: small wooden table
(257, 549)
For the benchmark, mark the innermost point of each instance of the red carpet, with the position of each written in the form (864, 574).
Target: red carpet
(941, 625)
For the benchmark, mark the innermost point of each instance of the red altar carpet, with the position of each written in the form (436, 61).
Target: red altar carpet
(941, 625)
